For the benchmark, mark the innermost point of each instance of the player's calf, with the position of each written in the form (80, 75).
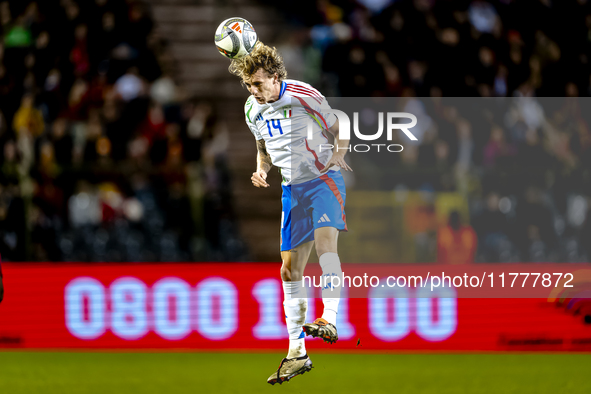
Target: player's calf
(322, 329)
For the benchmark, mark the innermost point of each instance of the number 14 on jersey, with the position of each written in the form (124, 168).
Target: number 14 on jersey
(276, 124)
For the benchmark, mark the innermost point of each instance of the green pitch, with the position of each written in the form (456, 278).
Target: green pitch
(171, 373)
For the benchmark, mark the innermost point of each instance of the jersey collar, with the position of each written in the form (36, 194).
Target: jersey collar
(283, 87)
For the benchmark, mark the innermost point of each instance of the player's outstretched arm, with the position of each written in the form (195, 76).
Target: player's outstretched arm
(264, 165)
(341, 147)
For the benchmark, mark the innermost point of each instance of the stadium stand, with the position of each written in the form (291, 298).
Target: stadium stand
(104, 157)
(114, 123)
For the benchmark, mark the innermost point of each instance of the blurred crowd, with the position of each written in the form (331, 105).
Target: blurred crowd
(454, 48)
(523, 165)
(103, 156)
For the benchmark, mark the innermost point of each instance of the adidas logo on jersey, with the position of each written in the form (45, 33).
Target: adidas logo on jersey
(324, 219)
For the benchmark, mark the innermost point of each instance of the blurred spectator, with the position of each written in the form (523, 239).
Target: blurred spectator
(535, 232)
(79, 54)
(532, 154)
(497, 148)
(12, 226)
(28, 119)
(586, 234)
(62, 141)
(492, 228)
(199, 127)
(483, 16)
(164, 91)
(129, 86)
(456, 242)
(19, 36)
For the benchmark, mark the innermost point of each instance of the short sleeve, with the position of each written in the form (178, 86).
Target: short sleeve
(247, 117)
(254, 130)
(328, 117)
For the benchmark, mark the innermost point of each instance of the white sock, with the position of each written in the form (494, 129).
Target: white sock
(331, 295)
(295, 305)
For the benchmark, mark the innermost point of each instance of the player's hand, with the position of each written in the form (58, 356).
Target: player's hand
(259, 179)
(337, 159)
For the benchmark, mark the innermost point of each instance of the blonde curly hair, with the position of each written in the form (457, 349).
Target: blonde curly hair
(262, 56)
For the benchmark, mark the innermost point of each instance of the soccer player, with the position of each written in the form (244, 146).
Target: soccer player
(313, 200)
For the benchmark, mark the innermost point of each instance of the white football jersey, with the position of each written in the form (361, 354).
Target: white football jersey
(283, 125)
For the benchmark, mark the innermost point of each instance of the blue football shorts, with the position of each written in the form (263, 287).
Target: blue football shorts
(311, 205)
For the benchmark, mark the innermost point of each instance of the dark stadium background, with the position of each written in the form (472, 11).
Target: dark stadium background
(122, 139)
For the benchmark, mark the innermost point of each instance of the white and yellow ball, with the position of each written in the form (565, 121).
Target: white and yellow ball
(235, 38)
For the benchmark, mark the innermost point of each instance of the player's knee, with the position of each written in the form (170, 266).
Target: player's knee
(285, 274)
(296, 275)
(290, 274)
(286, 267)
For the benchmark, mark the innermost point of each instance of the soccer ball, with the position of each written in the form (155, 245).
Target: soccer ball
(235, 38)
